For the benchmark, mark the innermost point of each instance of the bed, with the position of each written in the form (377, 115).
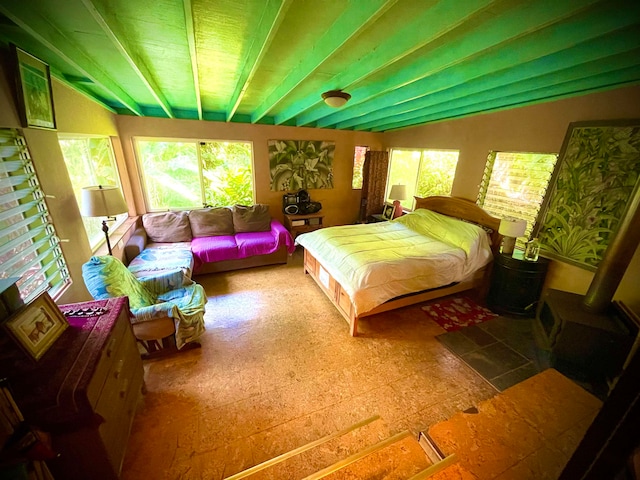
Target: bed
(367, 269)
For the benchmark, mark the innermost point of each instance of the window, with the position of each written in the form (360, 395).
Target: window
(514, 184)
(424, 172)
(90, 162)
(190, 174)
(358, 163)
(29, 248)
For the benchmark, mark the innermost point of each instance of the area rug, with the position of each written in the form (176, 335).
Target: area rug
(457, 312)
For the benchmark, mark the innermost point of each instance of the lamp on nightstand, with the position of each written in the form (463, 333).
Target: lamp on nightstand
(510, 228)
(397, 193)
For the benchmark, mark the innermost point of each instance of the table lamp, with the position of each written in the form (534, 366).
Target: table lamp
(510, 228)
(103, 201)
(397, 193)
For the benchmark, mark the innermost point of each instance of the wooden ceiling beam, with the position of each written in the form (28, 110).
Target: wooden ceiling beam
(585, 85)
(443, 16)
(570, 64)
(511, 53)
(272, 17)
(53, 40)
(193, 54)
(500, 30)
(145, 76)
(356, 17)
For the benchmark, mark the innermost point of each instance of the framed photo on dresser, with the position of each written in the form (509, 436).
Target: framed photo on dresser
(36, 326)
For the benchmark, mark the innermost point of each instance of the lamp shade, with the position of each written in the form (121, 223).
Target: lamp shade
(512, 227)
(335, 98)
(102, 201)
(398, 192)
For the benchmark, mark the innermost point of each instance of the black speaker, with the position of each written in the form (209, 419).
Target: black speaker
(291, 209)
(310, 207)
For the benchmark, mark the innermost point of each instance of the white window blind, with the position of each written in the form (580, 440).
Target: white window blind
(29, 247)
(514, 184)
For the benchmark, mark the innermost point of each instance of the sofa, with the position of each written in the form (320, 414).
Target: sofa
(207, 240)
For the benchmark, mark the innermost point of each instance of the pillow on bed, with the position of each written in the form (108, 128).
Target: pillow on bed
(452, 231)
(167, 227)
(211, 222)
(254, 218)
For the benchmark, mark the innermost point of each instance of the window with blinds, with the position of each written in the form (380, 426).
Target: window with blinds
(29, 247)
(514, 185)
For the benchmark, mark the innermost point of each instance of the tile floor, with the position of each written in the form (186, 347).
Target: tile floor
(278, 369)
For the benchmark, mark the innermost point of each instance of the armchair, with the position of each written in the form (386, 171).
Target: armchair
(168, 309)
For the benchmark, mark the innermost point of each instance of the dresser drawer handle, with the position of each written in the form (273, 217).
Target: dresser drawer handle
(110, 346)
(118, 370)
(125, 388)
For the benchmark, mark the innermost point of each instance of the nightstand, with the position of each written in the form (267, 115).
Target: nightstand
(376, 217)
(297, 224)
(516, 284)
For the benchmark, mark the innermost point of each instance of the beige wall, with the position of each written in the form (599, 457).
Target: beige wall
(74, 114)
(340, 205)
(537, 128)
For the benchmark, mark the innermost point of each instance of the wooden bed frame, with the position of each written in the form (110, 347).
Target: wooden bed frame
(450, 206)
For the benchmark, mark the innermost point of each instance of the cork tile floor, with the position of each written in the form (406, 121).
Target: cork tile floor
(277, 369)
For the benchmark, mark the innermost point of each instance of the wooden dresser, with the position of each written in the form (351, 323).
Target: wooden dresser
(84, 391)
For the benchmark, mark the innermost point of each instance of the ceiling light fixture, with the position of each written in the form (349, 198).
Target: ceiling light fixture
(335, 98)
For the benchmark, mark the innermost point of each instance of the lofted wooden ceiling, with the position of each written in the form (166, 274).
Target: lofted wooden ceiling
(404, 62)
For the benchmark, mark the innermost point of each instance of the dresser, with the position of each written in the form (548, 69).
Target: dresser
(84, 390)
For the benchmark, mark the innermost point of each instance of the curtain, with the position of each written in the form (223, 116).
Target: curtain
(374, 181)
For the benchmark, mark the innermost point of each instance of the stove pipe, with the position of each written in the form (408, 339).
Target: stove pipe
(616, 258)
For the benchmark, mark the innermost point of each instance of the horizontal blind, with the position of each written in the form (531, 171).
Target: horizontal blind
(29, 247)
(514, 185)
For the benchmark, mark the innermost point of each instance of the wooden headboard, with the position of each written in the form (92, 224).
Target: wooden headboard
(465, 209)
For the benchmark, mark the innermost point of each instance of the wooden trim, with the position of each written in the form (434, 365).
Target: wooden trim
(292, 453)
(357, 456)
(435, 468)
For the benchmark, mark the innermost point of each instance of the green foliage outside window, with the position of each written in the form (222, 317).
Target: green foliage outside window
(187, 175)
(424, 172)
(90, 162)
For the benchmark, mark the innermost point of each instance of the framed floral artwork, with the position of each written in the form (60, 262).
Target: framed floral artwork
(35, 96)
(593, 182)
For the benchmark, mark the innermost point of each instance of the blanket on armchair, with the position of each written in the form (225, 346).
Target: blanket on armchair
(151, 297)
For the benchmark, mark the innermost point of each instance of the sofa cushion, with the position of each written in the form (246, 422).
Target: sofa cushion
(211, 222)
(162, 257)
(214, 249)
(254, 218)
(167, 226)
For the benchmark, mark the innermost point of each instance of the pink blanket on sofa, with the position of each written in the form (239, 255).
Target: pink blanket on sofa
(241, 245)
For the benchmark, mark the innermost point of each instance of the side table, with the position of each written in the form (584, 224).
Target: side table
(297, 224)
(516, 284)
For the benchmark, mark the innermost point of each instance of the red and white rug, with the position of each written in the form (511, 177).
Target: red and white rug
(457, 312)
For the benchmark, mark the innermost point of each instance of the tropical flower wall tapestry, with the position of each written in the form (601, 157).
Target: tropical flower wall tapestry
(598, 169)
(300, 164)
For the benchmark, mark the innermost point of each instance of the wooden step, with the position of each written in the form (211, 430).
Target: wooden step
(397, 458)
(318, 454)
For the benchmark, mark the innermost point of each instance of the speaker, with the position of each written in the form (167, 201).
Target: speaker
(291, 209)
(310, 207)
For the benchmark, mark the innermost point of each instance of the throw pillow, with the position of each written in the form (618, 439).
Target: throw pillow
(211, 222)
(167, 227)
(254, 218)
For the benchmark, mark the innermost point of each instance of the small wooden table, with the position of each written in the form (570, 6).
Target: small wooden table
(297, 224)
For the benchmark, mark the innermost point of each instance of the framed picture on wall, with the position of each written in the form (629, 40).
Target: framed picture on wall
(35, 96)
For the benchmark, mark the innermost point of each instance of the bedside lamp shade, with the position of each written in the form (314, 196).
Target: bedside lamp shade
(102, 201)
(511, 228)
(397, 193)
